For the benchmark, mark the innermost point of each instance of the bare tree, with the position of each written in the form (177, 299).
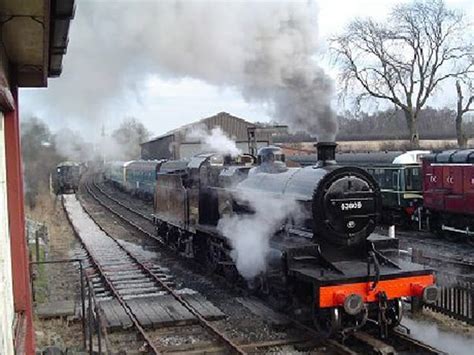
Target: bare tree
(40, 155)
(404, 59)
(462, 108)
(128, 137)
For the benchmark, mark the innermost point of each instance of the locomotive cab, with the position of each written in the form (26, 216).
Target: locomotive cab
(271, 160)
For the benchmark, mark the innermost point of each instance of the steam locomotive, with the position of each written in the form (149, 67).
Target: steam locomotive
(65, 177)
(326, 266)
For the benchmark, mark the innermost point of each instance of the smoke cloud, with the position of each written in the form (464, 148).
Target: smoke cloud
(72, 145)
(214, 141)
(266, 50)
(249, 234)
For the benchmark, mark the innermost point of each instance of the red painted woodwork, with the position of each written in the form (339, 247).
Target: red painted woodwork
(16, 215)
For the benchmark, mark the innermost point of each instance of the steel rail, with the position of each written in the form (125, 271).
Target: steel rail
(427, 349)
(178, 297)
(122, 204)
(119, 298)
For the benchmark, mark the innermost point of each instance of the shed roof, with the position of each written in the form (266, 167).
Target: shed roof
(233, 126)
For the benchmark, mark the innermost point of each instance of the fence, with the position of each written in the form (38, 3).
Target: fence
(50, 291)
(457, 290)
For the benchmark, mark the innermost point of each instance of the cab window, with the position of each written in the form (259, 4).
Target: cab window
(413, 179)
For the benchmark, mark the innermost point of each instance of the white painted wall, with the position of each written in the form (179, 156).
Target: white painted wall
(6, 291)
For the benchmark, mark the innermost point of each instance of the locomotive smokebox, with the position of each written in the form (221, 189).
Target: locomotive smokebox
(326, 153)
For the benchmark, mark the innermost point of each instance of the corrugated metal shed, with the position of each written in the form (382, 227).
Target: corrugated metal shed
(159, 148)
(175, 143)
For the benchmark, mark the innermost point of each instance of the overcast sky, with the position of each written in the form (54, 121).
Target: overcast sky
(163, 103)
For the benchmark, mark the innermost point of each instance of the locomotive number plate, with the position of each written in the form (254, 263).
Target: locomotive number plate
(347, 206)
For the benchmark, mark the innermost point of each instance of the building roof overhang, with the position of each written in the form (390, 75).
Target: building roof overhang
(34, 39)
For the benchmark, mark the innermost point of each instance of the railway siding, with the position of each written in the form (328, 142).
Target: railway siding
(131, 291)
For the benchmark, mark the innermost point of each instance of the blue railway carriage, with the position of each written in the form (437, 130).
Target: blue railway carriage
(115, 172)
(140, 177)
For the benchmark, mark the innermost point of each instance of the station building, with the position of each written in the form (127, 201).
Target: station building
(180, 144)
(34, 38)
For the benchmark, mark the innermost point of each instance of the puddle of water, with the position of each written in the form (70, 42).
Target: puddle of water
(442, 339)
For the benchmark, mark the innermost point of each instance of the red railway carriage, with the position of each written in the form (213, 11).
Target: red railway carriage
(448, 187)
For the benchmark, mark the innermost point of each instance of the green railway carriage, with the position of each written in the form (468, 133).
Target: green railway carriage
(398, 175)
(401, 188)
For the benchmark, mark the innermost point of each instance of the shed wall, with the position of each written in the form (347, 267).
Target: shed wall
(162, 148)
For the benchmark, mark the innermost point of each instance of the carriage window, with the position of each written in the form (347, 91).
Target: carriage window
(395, 180)
(413, 179)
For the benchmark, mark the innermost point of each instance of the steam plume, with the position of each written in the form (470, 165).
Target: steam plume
(263, 49)
(249, 234)
(214, 141)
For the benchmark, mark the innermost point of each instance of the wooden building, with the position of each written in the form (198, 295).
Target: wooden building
(179, 143)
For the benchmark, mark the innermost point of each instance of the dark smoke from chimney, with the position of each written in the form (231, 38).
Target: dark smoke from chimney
(265, 50)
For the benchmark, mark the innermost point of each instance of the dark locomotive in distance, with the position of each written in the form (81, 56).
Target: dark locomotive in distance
(327, 266)
(65, 177)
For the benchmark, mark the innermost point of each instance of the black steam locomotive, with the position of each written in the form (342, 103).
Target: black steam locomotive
(326, 266)
(65, 177)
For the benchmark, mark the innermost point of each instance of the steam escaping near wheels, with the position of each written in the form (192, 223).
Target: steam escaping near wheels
(249, 234)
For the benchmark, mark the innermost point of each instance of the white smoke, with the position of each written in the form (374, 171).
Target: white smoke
(215, 141)
(249, 234)
(71, 144)
(264, 49)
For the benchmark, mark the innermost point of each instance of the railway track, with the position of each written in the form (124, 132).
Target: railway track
(127, 278)
(438, 253)
(358, 343)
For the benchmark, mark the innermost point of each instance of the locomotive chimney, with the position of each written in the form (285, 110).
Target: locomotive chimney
(326, 153)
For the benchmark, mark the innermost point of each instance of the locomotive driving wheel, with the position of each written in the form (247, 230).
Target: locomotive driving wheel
(394, 313)
(327, 321)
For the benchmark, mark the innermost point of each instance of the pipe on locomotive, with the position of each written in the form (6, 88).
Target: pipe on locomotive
(326, 153)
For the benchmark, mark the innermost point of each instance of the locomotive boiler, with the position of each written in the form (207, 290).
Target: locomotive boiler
(325, 266)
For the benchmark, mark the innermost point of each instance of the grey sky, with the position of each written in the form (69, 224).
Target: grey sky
(163, 102)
